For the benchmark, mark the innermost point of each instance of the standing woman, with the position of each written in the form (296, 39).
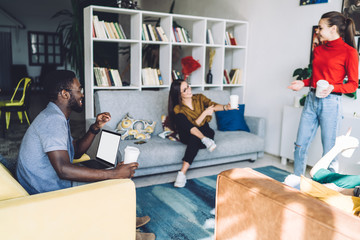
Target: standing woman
(333, 60)
(190, 116)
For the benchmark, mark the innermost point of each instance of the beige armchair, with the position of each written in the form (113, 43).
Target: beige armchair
(102, 210)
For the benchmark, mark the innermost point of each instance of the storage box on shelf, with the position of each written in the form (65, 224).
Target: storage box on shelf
(128, 45)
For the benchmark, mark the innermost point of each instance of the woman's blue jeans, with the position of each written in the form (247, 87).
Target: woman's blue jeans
(323, 112)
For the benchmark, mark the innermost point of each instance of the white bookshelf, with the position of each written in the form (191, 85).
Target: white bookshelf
(226, 56)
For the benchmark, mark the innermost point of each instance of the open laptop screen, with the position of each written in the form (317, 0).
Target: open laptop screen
(108, 146)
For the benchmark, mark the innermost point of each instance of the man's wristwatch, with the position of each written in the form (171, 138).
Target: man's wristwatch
(357, 191)
(93, 131)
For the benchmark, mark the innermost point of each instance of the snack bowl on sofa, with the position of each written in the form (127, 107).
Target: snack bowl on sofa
(160, 155)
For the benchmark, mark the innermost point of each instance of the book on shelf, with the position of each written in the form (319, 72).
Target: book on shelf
(155, 34)
(184, 35)
(151, 33)
(118, 29)
(115, 32)
(227, 40)
(235, 76)
(226, 75)
(145, 31)
(232, 39)
(122, 31)
(176, 75)
(180, 34)
(209, 37)
(156, 30)
(160, 77)
(105, 77)
(151, 77)
(107, 30)
(162, 34)
(175, 35)
(99, 30)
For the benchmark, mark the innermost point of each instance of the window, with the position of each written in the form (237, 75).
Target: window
(45, 48)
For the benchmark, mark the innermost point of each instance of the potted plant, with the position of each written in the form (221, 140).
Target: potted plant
(301, 74)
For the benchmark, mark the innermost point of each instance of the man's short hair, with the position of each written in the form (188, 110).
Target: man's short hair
(57, 81)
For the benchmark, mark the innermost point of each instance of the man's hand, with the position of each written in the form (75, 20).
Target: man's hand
(296, 85)
(125, 170)
(102, 119)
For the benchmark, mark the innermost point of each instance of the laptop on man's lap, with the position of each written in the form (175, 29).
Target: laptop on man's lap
(107, 151)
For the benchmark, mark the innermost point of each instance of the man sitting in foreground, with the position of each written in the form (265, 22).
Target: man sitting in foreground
(47, 149)
(345, 184)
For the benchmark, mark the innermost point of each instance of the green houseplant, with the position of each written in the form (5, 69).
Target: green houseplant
(301, 74)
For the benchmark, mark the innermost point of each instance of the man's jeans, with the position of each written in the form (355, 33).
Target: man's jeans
(326, 112)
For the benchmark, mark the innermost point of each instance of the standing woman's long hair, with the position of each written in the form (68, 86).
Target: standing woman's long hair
(174, 99)
(345, 26)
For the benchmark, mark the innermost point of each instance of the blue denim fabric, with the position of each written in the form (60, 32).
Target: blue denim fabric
(323, 112)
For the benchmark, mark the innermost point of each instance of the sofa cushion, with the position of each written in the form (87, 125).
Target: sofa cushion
(232, 120)
(131, 128)
(228, 144)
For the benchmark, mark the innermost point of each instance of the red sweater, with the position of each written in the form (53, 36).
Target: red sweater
(333, 61)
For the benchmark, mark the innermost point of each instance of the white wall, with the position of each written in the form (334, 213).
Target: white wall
(279, 42)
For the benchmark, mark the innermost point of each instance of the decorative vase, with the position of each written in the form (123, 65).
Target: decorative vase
(209, 77)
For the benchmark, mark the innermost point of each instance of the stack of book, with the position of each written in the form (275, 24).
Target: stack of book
(234, 76)
(181, 35)
(106, 77)
(151, 33)
(151, 77)
(107, 30)
(209, 37)
(230, 39)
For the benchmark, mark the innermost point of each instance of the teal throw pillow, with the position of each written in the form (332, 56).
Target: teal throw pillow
(232, 120)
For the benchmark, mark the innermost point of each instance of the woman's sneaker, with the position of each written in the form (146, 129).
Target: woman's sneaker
(180, 180)
(209, 143)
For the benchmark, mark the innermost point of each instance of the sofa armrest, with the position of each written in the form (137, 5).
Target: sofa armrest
(250, 205)
(9, 187)
(256, 125)
(102, 210)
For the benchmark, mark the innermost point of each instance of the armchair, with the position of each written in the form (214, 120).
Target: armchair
(102, 210)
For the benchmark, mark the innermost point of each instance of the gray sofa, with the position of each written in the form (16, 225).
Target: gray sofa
(162, 155)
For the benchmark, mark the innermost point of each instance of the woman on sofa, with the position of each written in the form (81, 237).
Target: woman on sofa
(190, 116)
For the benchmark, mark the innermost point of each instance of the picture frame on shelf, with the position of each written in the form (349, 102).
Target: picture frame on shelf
(351, 9)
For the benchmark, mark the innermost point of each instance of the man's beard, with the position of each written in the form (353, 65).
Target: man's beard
(75, 106)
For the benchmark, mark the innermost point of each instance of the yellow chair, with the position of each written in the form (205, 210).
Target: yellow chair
(16, 105)
(101, 210)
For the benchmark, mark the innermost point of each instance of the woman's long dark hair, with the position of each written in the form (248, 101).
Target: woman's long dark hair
(174, 99)
(345, 26)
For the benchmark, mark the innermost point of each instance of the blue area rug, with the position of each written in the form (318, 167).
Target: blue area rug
(185, 213)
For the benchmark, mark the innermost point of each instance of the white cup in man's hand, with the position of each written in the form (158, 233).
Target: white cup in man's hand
(131, 154)
(234, 101)
(321, 85)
